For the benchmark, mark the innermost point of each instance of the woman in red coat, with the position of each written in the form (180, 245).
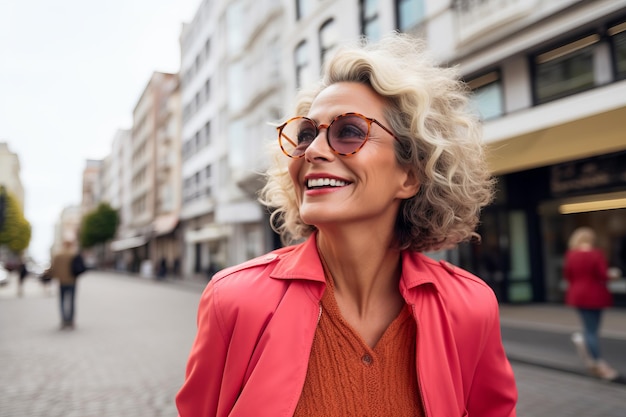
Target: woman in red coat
(587, 275)
(382, 160)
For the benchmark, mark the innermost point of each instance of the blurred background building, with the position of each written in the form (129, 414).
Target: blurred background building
(66, 228)
(549, 81)
(548, 78)
(10, 172)
(144, 178)
(10, 183)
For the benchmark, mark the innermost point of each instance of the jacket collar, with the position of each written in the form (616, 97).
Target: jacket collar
(303, 262)
(300, 262)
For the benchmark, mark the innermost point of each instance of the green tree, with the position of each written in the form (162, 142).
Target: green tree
(98, 226)
(15, 231)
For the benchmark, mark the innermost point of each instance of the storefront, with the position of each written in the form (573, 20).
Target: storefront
(525, 232)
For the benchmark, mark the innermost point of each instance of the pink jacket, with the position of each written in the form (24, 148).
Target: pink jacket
(587, 276)
(256, 323)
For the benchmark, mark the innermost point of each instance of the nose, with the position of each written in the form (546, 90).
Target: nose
(319, 148)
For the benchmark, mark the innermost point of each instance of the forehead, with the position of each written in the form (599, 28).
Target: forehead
(346, 97)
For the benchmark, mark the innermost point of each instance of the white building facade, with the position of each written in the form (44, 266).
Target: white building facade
(149, 174)
(116, 180)
(231, 88)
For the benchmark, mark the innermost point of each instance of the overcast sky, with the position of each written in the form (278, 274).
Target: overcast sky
(71, 72)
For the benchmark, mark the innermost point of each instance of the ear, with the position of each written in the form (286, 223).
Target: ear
(410, 186)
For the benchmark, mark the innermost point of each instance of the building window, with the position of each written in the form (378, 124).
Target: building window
(618, 43)
(196, 185)
(274, 54)
(186, 113)
(207, 133)
(207, 48)
(186, 150)
(565, 70)
(207, 181)
(370, 25)
(236, 86)
(328, 39)
(196, 64)
(207, 90)
(487, 97)
(409, 13)
(196, 141)
(301, 58)
(303, 8)
(235, 20)
(196, 102)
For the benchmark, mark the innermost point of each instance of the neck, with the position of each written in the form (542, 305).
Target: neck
(364, 268)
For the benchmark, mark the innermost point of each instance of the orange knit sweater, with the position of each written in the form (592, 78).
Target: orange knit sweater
(346, 377)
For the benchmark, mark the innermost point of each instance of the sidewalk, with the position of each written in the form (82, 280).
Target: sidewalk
(560, 318)
(540, 334)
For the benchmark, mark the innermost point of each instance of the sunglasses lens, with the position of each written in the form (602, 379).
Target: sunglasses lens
(296, 136)
(348, 133)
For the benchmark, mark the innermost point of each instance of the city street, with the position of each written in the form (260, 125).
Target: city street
(127, 355)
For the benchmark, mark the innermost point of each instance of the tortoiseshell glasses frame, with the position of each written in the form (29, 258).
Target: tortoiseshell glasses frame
(346, 134)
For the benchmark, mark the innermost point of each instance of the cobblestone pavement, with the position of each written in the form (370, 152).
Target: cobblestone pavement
(127, 355)
(545, 392)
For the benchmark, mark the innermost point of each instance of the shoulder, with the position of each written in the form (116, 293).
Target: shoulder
(248, 270)
(246, 296)
(450, 278)
(249, 280)
(464, 294)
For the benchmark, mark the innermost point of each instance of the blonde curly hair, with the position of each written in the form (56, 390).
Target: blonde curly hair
(440, 140)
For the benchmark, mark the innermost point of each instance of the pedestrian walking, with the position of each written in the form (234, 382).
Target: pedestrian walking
(586, 272)
(66, 267)
(383, 161)
(22, 273)
(162, 268)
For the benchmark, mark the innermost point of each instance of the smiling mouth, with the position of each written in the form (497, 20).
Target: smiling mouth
(324, 183)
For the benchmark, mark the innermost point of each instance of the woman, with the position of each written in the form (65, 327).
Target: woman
(586, 272)
(383, 162)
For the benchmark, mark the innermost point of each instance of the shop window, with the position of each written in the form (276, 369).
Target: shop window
(487, 96)
(618, 42)
(370, 24)
(565, 70)
(409, 13)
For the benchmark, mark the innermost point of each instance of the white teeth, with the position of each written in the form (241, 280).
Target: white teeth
(324, 182)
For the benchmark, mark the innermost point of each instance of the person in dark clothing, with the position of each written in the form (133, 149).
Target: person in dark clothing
(162, 269)
(22, 273)
(66, 267)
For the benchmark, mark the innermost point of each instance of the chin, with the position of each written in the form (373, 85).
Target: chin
(313, 218)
